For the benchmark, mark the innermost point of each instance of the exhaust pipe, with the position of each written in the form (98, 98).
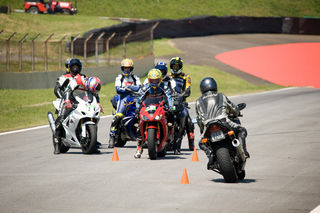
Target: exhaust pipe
(236, 143)
(51, 122)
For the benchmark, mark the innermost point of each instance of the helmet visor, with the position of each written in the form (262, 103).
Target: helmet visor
(154, 82)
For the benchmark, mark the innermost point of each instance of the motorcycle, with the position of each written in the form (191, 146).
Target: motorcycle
(179, 122)
(127, 130)
(228, 155)
(153, 126)
(80, 126)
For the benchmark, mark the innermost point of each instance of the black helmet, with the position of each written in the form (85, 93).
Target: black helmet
(208, 84)
(176, 61)
(75, 69)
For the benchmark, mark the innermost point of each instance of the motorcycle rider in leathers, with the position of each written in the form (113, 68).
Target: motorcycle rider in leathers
(181, 84)
(125, 84)
(155, 88)
(214, 104)
(65, 85)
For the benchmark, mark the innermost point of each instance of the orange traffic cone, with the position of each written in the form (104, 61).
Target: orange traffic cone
(184, 178)
(115, 156)
(195, 155)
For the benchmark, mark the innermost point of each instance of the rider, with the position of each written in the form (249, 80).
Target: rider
(155, 88)
(164, 70)
(65, 85)
(213, 103)
(181, 84)
(125, 83)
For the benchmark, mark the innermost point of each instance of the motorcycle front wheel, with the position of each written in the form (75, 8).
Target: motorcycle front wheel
(225, 164)
(88, 144)
(152, 147)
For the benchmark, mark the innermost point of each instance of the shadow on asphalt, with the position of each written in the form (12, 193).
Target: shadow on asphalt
(221, 180)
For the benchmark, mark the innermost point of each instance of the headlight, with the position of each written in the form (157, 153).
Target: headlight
(158, 117)
(145, 118)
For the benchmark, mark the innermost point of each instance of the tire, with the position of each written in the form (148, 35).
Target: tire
(120, 142)
(89, 146)
(33, 10)
(152, 147)
(225, 164)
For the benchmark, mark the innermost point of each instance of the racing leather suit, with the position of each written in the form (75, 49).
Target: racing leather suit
(124, 87)
(217, 105)
(181, 84)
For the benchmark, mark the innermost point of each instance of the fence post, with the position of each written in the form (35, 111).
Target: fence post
(20, 51)
(96, 47)
(60, 51)
(32, 51)
(124, 43)
(46, 53)
(85, 49)
(72, 43)
(151, 35)
(8, 51)
(107, 47)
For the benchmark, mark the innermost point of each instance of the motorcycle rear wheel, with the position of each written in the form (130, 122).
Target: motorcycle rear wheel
(90, 146)
(225, 164)
(152, 147)
(62, 147)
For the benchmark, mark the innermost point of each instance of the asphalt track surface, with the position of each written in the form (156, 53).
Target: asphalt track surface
(282, 173)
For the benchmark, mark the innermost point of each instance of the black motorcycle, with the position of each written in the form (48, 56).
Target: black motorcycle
(228, 155)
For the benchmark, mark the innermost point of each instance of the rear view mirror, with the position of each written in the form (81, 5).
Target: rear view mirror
(241, 106)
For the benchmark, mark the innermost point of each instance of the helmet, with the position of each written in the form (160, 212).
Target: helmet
(127, 63)
(208, 84)
(154, 77)
(75, 66)
(162, 67)
(93, 84)
(67, 64)
(176, 61)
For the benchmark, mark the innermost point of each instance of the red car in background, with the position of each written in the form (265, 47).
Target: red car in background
(39, 6)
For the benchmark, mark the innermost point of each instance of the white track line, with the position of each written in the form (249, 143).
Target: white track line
(107, 116)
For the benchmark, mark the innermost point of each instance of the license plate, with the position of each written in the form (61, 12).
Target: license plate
(217, 136)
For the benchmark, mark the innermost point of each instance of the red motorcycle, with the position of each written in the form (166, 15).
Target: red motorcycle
(153, 125)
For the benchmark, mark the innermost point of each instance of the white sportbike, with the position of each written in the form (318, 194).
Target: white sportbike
(80, 125)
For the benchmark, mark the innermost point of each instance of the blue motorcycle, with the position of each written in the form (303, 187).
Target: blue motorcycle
(127, 130)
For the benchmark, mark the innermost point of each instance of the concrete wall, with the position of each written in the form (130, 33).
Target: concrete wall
(41, 80)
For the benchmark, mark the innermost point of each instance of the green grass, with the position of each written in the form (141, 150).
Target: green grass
(164, 47)
(27, 108)
(60, 25)
(152, 9)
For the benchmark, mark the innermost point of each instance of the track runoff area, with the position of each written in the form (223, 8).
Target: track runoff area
(295, 64)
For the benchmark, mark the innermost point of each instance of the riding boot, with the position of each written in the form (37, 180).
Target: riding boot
(57, 135)
(177, 147)
(139, 149)
(208, 151)
(191, 141)
(242, 139)
(114, 130)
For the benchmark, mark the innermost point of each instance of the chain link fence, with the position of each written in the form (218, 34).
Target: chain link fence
(42, 53)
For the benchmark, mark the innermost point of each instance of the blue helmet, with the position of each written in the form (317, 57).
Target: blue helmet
(67, 64)
(162, 67)
(75, 69)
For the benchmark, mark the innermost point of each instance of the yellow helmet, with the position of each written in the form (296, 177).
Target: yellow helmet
(154, 77)
(127, 63)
